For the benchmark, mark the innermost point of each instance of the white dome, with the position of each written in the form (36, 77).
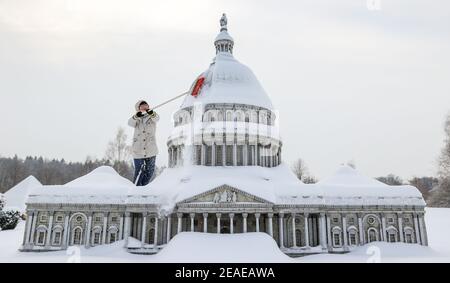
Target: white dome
(229, 81)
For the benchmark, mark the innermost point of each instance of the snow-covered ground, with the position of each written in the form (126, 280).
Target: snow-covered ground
(250, 247)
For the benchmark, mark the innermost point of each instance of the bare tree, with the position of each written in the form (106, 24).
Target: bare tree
(440, 197)
(299, 168)
(301, 171)
(118, 152)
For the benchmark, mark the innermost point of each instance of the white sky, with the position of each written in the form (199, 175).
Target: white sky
(350, 83)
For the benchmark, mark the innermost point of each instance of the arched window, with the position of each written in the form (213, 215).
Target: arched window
(352, 237)
(391, 234)
(409, 235)
(298, 238)
(41, 235)
(77, 236)
(372, 235)
(57, 236)
(337, 237)
(151, 235)
(229, 116)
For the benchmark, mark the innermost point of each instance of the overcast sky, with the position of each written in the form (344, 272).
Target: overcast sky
(351, 81)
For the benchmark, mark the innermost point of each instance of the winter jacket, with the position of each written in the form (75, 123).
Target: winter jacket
(144, 141)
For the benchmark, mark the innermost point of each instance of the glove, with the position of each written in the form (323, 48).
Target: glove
(139, 114)
(150, 112)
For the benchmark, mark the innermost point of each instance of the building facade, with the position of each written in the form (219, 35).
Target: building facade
(225, 176)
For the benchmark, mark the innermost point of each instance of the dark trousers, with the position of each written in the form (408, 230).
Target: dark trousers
(144, 169)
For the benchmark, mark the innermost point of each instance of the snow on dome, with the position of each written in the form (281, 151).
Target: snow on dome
(16, 196)
(101, 185)
(228, 81)
(224, 35)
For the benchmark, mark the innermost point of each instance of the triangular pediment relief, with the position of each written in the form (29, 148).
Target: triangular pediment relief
(225, 194)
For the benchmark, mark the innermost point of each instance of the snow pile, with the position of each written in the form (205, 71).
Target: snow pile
(101, 186)
(229, 248)
(16, 196)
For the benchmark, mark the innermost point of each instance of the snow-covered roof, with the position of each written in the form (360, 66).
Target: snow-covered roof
(277, 185)
(16, 196)
(101, 186)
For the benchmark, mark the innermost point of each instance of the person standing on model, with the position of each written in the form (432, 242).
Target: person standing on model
(144, 147)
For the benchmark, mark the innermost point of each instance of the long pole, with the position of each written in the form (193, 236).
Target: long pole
(170, 100)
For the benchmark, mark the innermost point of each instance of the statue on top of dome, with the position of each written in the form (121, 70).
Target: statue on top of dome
(223, 22)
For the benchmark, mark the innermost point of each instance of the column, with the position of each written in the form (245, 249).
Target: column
(65, 237)
(306, 230)
(205, 222)
(218, 222)
(155, 241)
(400, 226)
(28, 229)
(257, 215)
(234, 154)
(281, 229)
(33, 227)
(127, 227)
(192, 215)
(244, 218)
(294, 238)
(361, 230)
(270, 215)
(50, 226)
(105, 227)
(231, 223)
(180, 218)
(423, 230)
(224, 156)
(416, 228)
(383, 229)
(322, 232)
(344, 230)
(203, 153)
(169, 227)
(144, 229)
(213, 154)
(329, 240)
(245, 155)
(88, 231)
(120, 236)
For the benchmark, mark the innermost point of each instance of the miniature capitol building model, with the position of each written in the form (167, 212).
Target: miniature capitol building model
(225, 175)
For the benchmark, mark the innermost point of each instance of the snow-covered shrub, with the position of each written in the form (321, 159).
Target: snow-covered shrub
(9, 219)
(2, 201)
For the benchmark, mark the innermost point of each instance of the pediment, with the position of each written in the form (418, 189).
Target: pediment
(225, 194)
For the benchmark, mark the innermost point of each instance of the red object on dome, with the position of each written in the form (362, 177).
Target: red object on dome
(198, 86)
